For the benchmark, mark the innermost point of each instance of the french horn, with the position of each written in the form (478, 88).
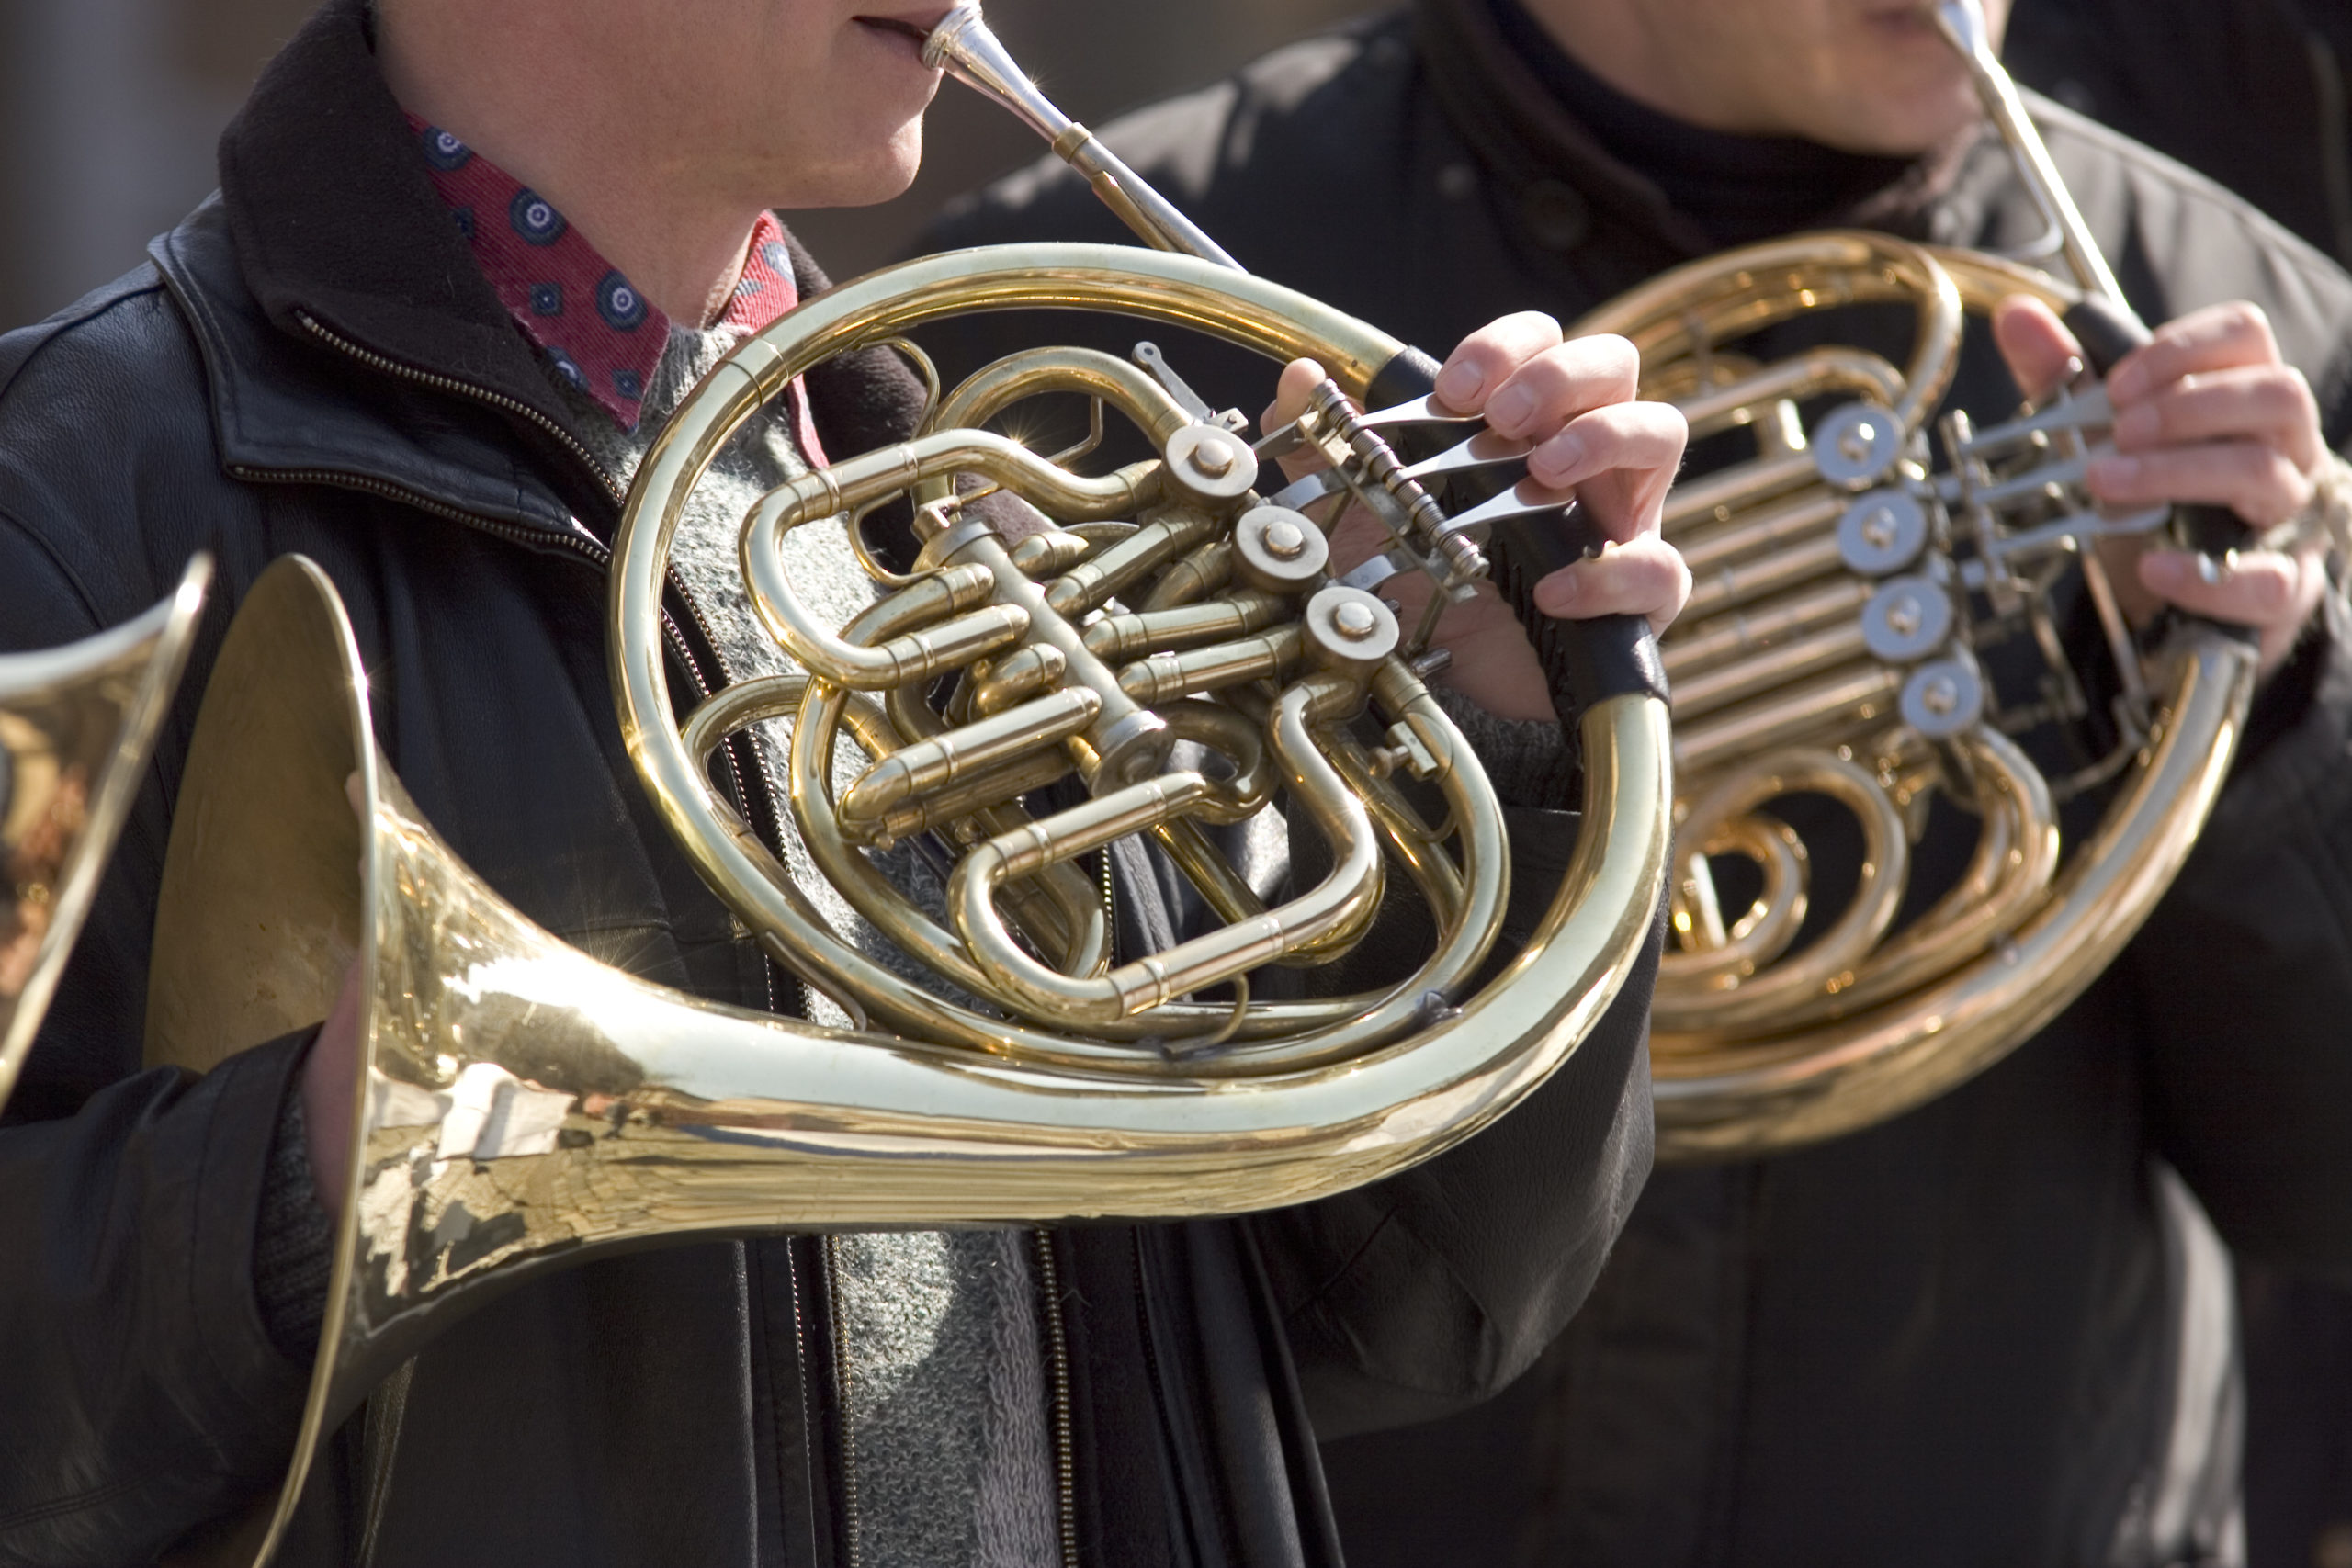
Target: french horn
(1873, 626)
(77, 725)
(1168, 650)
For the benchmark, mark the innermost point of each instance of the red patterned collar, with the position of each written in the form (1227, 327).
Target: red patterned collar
(598, 331)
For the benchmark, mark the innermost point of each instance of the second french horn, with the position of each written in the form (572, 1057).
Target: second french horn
(1880, 620)
(76, 727)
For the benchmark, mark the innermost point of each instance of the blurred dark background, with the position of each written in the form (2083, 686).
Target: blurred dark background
(109, 110)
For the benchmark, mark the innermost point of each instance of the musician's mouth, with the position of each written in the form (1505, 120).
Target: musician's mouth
(904, 32)
(1902, 23)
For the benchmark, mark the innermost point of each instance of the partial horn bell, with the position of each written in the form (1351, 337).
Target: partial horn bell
(76, 727)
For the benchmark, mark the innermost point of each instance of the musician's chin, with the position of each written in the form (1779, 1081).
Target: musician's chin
(879, 170)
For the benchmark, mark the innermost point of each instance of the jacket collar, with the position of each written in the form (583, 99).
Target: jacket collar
(349, 335)
(1524, 133)
(1527, 137)
(288, 408)
(338, 229)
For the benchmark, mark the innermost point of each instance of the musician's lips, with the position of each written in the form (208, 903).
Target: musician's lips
(1904, 22)
(907, 32)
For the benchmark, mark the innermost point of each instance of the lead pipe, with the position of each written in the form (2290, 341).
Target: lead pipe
(1860, 694)
(1739, 634)
(1727, 587)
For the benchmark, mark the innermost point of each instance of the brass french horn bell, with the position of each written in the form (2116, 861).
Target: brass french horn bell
(77, 725)
(1875, 626)
(1167, 651)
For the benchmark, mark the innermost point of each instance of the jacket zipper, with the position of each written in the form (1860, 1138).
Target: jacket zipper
(1057, 1352)
(1057, 1362)
(375, 361)
(593, 549)
(853, 1533)
(589, 549)
(586, 548)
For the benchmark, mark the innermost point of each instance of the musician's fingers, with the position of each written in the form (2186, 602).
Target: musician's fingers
(2216, 338)
(1646, 576)
(2036, 345)
(1483, 362)
(2269, 403)
(2258, 483)
(1619, 459)
(1298, 378)
(2272, 591)
(2246, 588)
(1554, 386)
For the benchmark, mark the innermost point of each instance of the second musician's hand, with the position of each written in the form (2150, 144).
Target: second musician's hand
(2207, 412)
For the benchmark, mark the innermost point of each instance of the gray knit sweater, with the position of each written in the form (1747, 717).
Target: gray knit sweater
(942, 1379)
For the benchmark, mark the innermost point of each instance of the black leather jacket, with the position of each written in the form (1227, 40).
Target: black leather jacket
(313, 363)
(1974, 1334)
(2250, 93)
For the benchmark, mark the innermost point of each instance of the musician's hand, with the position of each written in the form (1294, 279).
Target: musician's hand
(1577, 401)
(331, 1074)
(2208, 412)
(330, 1083)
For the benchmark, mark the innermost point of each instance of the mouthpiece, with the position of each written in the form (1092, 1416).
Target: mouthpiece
(1962, 22)
(963, 46)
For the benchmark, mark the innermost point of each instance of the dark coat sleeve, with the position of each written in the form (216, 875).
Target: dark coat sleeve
(141, 1391)
(2244, 973)
(1423, 1294)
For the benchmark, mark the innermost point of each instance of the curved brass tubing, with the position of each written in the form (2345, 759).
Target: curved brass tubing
(1759, 1044)
(1175, 289)
(520, 1107)
(1719, 299)
(1817, 371)
(1087, 372)
(1723, 990)
(1722, 1098)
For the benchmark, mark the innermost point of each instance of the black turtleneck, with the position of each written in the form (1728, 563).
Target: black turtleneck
(1736, 188)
